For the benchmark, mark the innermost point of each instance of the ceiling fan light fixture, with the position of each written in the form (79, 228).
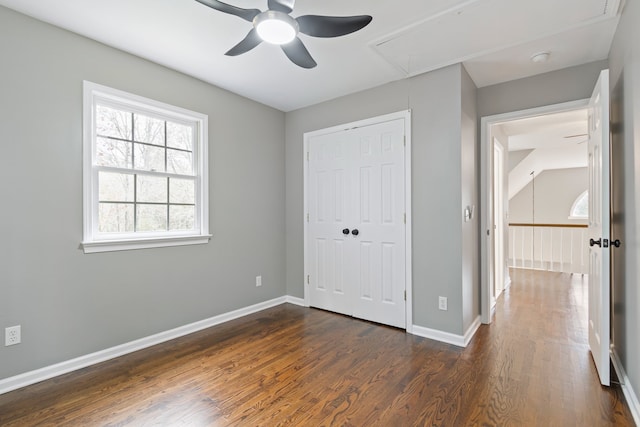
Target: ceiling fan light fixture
(276, 27)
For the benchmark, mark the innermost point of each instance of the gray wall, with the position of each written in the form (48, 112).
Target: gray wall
(70, 304)
(470, 197)
(555, 87)
(515, 157)
(438, 187)
(555, 192)
(624, 63)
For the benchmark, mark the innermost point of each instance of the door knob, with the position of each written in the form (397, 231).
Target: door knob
(615, 243)
(345, 231)
(595, 242)
(355, 232)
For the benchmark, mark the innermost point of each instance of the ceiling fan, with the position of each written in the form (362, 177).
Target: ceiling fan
(276, 26)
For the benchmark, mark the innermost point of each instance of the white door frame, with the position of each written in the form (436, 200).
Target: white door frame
(406, 115)
(486, 192)
(499, 226)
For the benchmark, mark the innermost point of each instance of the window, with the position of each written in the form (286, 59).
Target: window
(145, 173)
(580, 208)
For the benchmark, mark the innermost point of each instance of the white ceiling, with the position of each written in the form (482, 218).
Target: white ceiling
(493, 38)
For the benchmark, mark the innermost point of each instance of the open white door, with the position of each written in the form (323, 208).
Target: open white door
(599, 230)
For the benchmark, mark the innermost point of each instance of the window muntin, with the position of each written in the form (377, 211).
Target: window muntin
(145, 172)
(580, 207)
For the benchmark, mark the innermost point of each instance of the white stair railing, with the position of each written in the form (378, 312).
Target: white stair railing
(551, 247)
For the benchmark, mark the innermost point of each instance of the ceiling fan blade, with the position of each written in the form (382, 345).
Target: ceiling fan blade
(249, 42)
(246, 14)
(298, 54)
(331, 26)
(285, 6)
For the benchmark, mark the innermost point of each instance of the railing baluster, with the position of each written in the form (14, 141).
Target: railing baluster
(551, 242)
(545, 249)
(562, 250)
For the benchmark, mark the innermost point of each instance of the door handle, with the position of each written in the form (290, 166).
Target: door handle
(355, 232)
(595, 242)
(616, 243)
(345, 231)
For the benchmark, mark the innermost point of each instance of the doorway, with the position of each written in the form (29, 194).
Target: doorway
(522, 172)
(598, 148)
(357, 219)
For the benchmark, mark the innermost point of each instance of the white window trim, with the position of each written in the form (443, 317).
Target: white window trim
(92, 240)
(573, 206)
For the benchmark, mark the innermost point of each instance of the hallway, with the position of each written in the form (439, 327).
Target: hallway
(539, 370)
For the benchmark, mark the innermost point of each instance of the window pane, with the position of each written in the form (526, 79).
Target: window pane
(152, 189)
(112, 122)
(182, 217)
(110, 152)
(148, 130)
(581, 207)
(181, 191)
(152, 217)
(115, 217)
(148, 157)
(179, 136)
(115, 187)
(180, 162)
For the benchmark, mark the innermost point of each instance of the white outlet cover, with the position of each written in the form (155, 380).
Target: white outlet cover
(12, 335)
(442, 303)
(258, 280)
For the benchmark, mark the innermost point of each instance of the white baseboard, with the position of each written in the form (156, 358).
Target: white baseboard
(32, 377)
(471, 331)
(295, 301)
(627, 389)
(446, 337)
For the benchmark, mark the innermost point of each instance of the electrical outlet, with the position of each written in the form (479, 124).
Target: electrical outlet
(442, 303)
(12, 335)
(258, 280)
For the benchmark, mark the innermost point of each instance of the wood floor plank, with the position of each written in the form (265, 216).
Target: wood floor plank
(293, 366)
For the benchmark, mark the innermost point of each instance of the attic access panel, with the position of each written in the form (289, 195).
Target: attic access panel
(476, 28)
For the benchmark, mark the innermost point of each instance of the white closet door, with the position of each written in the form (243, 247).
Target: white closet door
(356, 231)
(378, 200)
(328, 200)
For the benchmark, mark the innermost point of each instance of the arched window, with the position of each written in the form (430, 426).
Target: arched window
(580, 208)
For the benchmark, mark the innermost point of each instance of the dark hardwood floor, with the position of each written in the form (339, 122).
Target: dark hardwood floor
(296, 366)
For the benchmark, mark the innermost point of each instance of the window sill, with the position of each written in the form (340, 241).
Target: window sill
(127, 245)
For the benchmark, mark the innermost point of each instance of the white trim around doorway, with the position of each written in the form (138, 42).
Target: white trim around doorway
(486, 191)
